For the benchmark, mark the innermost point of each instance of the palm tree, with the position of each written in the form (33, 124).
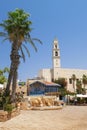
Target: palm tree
(84, 80)
(73, 79)
(79, 87)
(17, 30)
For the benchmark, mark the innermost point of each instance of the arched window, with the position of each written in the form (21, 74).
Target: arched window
(56, 46)
(56, 53)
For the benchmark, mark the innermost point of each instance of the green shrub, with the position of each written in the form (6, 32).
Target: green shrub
(8, 107)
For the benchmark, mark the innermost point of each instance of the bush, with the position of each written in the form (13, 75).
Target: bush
(8, 108)
(81, 100)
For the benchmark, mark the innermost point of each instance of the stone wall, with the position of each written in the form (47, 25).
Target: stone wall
(4, 115)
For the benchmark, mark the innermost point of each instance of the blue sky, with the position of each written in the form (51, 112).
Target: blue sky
(63, 19)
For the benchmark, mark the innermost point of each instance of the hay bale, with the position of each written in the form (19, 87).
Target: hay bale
(23, 105)
(34, 102)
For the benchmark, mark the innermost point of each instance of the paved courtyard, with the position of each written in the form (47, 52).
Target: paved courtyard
(68, 118)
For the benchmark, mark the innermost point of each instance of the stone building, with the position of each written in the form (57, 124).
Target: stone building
(57, 72)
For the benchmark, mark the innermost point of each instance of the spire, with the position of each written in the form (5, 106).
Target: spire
(55, 39)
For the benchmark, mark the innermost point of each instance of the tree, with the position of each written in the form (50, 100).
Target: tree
(3, 78)
(17, 30)
(63, 83)
(84, 80)
(79, 87)
(73, 79)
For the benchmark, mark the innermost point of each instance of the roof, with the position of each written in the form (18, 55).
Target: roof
(50, 83)
(47, 83)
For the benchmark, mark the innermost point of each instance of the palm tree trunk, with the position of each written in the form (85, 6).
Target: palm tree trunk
(74, 88)
(13, 70)
(15, 73)
(14, 86)
(84, 89)
(7, 91)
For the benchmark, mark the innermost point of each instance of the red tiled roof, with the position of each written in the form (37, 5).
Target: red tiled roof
(47, 83)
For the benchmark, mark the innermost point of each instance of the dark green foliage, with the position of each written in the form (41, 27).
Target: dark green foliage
(8, 107)
(79, 89)
(84, 80)
(82, 100)
(3, 75)
(63, 91)
(62, 82)
(73, 77)
(4, 100)
(19, 19)
(21, 83)
(2, 79)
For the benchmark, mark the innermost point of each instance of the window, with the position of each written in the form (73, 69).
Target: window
(56, 53)
(77, 80)
(70, 81)
(56, 46)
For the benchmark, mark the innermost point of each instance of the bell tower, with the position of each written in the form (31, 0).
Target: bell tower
(56, 54)
(55, 59)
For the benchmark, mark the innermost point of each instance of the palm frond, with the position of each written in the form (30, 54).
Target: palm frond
(30, 41)
(7, 38)
(26, 50)
(25, 40)
(23, 56)
(2, 25)
(38, 40)
(3, 34)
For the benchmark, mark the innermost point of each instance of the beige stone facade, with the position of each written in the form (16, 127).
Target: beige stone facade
(58, 72)
(45, 74)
